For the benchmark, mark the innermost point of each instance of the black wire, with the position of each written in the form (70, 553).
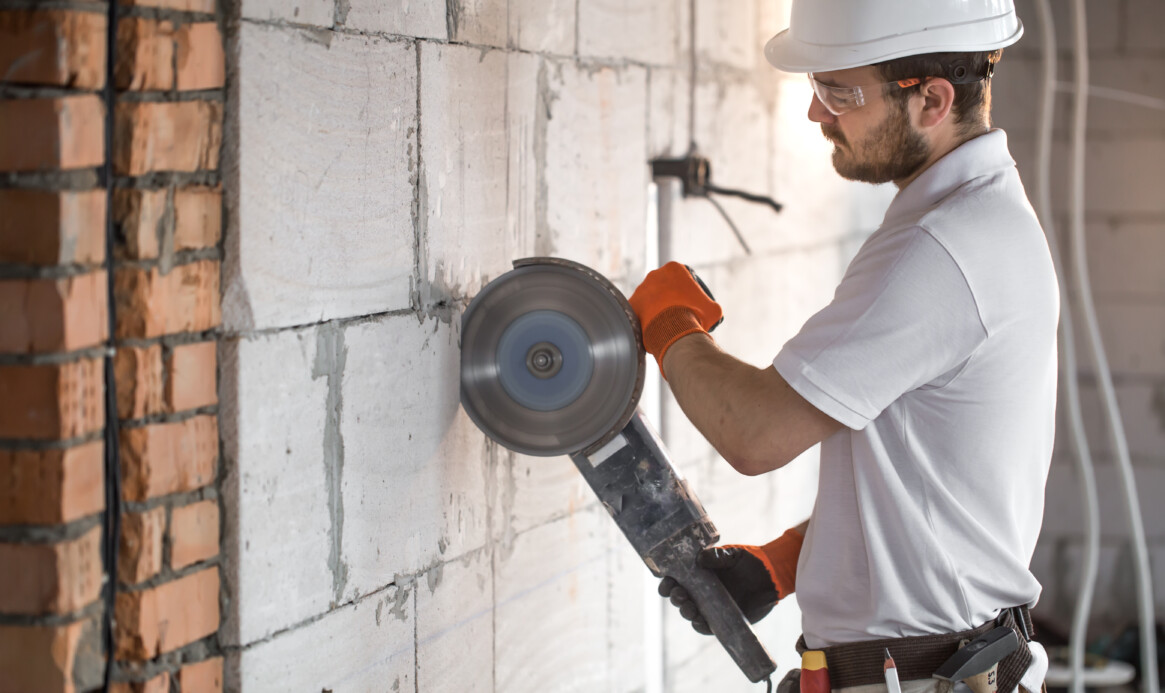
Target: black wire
(769, 681)
(112, 451)
(739, 236)
(777, 206)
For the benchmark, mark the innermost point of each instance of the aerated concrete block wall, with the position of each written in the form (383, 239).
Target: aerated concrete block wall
(1125, 238)
(386, 160)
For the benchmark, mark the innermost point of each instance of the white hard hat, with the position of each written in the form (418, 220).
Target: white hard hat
(829, 35)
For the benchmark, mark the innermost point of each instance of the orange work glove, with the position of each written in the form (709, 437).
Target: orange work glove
(671, 303)
(757, 577)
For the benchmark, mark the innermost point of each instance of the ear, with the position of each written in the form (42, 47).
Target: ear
(938, 96)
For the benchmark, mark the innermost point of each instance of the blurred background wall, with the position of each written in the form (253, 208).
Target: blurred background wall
(307, 193)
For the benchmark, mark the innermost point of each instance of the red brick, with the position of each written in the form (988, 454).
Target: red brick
(51, 134)
(51, 658)
(43, 227)
(203, 677)
(38, 579)
(51, 401)
(191, 380)
(41, 315)
(44, 487)
(167, 136)
(206, 6)
(164, 618)
(200, 57)
(197, 217)
(56, 47)
(193, 533)
(158, 684)
(139, 555)
(138, 372)
(140, 216)
(145, 54)
(168, 457)
(151, 304)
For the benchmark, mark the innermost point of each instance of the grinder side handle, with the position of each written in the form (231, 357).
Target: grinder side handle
(724, 617)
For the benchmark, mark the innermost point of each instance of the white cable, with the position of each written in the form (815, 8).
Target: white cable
(1081, 451)
(1079, 255)
(1129, 97)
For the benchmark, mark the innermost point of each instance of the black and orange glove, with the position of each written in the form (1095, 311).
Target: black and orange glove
(671, 303)
(757, 577)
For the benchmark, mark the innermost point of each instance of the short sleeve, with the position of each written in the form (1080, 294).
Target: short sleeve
(902, 317)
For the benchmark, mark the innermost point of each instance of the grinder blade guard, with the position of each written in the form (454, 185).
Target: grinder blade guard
(552, 363)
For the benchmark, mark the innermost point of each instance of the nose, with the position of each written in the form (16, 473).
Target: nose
(818, 113)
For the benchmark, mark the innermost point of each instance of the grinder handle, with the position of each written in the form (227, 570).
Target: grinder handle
(726, 620)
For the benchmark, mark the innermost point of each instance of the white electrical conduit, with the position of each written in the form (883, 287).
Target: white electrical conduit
(1079, 255)
(1082, 453)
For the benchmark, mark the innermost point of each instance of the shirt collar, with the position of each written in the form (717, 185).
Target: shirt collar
(977, 157)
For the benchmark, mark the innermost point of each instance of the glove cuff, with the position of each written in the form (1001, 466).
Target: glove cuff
(667, 327)
(781, 556)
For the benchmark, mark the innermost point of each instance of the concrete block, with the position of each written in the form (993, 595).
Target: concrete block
(364, 646)
(1133, 335)
(1136, 76)
(645, 31)
(551, 624)
(314, 12)
(455, 641)
(416, 19)
(727, 34)
(593, 157)
(413, 474)
(1142, 408)
(630, 582)
(532, 491)
(1124, 260)
(1103, 22)
(543, 26)
(669, 113)
(279, 528)
(1145, 19)
(479, 22)
(326, 163)
(478, 178)
(1064, 514)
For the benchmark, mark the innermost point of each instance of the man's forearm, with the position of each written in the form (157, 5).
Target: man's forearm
(750, 415)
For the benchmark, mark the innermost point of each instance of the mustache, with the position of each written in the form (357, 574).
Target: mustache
(832, 135)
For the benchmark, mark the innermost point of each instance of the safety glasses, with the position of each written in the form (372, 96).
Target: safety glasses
(839, 100)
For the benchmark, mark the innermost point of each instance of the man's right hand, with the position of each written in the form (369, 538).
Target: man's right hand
(757, 577)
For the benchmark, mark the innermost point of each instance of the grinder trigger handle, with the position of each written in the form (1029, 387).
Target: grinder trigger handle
(726, 621)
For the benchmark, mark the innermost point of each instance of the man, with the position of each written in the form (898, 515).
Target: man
(929, 380)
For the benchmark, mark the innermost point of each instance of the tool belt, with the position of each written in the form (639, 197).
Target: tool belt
(919, 657)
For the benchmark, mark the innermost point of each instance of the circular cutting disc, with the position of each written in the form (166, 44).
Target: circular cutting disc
(551, 358)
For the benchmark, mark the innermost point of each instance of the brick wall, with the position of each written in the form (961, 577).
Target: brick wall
(1125, 229)
(54, 277)
(392, 158)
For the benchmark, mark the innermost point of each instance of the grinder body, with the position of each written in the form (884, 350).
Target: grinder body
(552, 364)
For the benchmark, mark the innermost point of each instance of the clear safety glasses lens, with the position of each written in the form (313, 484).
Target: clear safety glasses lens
(839, 100)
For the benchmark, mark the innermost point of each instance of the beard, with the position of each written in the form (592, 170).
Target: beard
(893, 151)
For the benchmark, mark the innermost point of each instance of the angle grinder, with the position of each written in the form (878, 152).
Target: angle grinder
(552, 363)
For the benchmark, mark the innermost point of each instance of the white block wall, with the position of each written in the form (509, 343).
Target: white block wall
(1125, 227)
(389, 159)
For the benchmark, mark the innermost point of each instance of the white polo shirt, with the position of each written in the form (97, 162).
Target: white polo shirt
(938, 354)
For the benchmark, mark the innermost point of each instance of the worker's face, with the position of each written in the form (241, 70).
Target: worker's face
(876, 143)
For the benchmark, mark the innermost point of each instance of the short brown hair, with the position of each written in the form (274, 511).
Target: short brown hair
(969, 73)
